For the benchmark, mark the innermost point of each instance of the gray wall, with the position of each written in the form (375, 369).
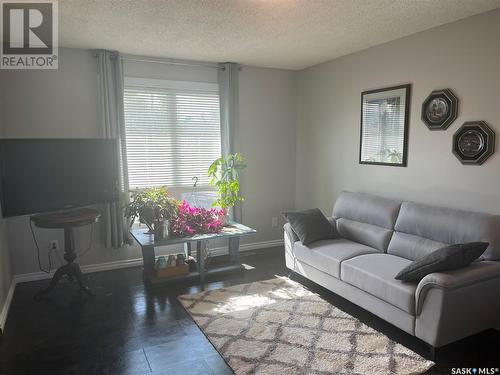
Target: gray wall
(63, 103)
(5, 274)
(267, 139)
(464, 56)
(52, 103)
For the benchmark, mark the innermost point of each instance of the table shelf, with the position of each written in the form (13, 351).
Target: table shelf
(192, 276)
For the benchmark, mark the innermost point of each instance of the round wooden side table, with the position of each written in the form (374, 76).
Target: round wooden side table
(67, 220)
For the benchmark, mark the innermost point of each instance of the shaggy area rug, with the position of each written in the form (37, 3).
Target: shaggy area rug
(278, 327)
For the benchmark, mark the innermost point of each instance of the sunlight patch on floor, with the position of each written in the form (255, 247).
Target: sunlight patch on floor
(241, 303)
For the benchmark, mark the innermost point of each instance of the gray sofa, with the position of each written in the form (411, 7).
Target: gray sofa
(377, 237)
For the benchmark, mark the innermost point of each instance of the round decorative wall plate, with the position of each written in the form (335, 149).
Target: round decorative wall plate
(440, 109)
(474, 142)
(471, 143)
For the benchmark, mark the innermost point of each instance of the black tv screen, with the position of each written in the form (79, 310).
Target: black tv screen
(43, 175)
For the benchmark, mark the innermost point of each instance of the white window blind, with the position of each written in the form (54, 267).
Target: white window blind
(172, 131)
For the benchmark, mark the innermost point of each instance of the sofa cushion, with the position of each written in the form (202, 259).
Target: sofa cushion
(366, 218)
(374, 273)
(443, 225)
(327, 255)
(444, 259)
(367, 234)
(412, 247)
(367, 208)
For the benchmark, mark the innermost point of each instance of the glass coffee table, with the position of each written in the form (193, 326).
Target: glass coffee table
(233, 232)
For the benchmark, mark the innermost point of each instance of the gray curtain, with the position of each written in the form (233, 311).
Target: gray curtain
(110, 81)
(229, 116)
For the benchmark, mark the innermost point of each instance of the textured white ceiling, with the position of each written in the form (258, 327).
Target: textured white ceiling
(291, 34)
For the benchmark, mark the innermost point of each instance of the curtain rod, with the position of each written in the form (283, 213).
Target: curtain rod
(169, 61)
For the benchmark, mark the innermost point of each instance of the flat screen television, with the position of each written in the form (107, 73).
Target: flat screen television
(44, 175)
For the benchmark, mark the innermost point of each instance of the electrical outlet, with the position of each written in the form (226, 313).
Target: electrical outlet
(54, 245)
(274, 222)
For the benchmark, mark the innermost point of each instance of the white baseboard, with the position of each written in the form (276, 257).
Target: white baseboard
(6, 305)
(34, 276)
(126, 263)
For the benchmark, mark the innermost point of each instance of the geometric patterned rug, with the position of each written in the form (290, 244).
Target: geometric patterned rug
(279, 327)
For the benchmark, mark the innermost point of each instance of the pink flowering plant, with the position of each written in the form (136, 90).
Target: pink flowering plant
(195, 220)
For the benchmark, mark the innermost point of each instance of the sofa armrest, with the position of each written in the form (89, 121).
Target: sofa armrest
(456, 304)
(292, 236)
(476, 273)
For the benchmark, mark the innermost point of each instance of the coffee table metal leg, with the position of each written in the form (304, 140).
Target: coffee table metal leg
(187, 249)
(201, 259)
(148, 259)
(234, 250)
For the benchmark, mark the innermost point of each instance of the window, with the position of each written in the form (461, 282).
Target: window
(172, 131)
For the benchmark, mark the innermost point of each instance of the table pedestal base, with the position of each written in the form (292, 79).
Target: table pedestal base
(67, 221)
(73, 271)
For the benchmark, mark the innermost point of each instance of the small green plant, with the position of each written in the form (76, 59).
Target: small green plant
(394, 156)
(224, 175)
(150, 205)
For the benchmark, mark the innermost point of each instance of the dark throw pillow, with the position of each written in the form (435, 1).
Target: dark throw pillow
(444, 259)
(310, 225)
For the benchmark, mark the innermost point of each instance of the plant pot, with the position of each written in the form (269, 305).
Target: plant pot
(225, 219)
(146, 216)
(161, 229)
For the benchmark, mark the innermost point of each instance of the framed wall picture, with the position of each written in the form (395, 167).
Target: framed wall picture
(384, 126)
(440, 109)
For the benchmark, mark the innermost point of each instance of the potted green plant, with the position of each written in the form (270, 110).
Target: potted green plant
(154, 207)
(224, 174)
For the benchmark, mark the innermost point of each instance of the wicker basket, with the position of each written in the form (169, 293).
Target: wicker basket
(173, 271)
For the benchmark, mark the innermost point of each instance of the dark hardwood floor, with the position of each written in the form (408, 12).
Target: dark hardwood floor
(128, 329)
